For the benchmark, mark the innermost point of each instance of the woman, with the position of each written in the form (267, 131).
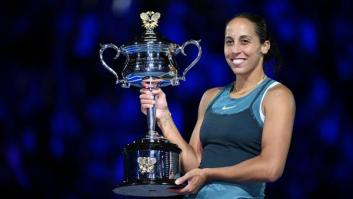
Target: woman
(243, 131)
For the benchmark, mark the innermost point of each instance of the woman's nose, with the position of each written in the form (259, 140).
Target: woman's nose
(235, 48)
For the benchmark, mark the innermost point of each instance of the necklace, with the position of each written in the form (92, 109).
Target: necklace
(235, 90)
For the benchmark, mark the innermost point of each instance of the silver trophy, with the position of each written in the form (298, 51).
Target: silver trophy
(151, 164)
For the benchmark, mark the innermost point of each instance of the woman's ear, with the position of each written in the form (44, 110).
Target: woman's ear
(265, 47)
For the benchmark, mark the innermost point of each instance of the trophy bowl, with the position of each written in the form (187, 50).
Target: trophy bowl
(150, 56)
(151, 164)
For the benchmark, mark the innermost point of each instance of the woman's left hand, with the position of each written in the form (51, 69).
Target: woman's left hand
(195, 179)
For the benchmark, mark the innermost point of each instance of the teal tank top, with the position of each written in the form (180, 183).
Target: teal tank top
(231, 132)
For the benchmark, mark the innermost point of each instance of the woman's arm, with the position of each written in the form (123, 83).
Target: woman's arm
(191, 152)
(279, 108)
(195, 142)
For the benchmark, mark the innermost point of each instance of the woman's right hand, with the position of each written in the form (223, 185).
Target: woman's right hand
(147, 101)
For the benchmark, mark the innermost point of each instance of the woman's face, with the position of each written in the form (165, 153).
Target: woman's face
(242, 48)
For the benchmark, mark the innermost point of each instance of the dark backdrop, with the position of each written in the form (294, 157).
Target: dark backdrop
(64, 123)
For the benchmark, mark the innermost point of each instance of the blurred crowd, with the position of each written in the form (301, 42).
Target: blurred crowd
(64, 122)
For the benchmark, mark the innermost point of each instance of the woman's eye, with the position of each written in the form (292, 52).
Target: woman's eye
(245, 41)
(229, 42)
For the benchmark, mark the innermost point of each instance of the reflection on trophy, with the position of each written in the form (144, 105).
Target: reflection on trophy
(151, 164)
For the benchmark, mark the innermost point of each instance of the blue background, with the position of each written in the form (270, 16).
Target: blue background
(64, 123)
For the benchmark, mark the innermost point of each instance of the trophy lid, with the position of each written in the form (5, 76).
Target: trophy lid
(150, 22)
(149, 39)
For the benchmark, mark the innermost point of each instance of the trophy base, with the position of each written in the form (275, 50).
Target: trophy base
(153, 189)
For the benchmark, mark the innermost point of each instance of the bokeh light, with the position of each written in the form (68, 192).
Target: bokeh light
(64, 122)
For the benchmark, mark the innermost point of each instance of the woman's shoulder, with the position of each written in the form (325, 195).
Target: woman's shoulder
(279, 93)
(209, 95)
(212, 92)
(279, 88)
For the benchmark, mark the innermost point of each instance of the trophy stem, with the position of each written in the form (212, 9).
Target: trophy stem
(151, 121)
(151, 116)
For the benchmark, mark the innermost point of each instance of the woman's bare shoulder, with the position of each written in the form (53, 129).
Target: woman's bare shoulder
(280, 89)
(208, 96)
(279, 94)
(211, 93)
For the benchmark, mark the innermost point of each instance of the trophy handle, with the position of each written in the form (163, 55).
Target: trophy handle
(103, 48)
(196, 43)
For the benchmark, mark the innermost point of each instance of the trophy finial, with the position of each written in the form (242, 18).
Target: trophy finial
(150, 19)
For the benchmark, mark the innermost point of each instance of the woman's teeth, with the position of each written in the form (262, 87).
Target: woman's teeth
(238, 61)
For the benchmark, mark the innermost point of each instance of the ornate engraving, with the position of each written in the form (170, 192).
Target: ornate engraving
(150, 19)
(146, 164)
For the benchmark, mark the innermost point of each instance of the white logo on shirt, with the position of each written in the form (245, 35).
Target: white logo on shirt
(228, 107)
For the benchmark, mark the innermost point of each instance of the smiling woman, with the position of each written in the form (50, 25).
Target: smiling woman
(243, 131)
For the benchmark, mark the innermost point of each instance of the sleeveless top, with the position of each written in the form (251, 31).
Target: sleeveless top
(231, 132)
